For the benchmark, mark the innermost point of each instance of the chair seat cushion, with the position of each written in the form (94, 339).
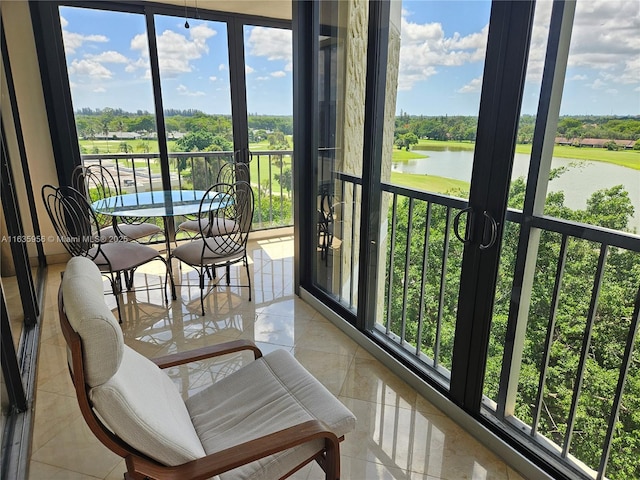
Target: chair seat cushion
(220, 249)
(268, 395)
(122, 255)
(134, 231)
(107, 234)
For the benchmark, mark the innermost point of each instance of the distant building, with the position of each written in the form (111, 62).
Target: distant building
(117, 136)
(563, 141)
(594, 142)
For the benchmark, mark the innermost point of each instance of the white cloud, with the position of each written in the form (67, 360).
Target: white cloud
(73, 41)
(605, 39)
(213, 78)
(425, 47)
(248, 69)
(597, 84)
(278, 74)
(631, 73)
(273, 43)
(99, 90)
(109, 56)
(175, 51)
(263, 78)
(89, 68)
(183, 90)
(579, 77)
(140, 63)
(63, 21)
(139, 42)
(473, 86)
(611, 91)
(222, 67)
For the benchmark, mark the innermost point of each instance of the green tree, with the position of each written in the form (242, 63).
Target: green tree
(285, 180)
(610, 208)
(406, 140)
(219, 144)
(195, 141)
(611, 145)
(278, 141)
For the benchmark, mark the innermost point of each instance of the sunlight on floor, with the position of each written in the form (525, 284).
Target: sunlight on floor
(399, 435)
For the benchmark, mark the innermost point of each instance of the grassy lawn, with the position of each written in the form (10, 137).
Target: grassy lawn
(142, 165)
(429, 183)
(113, 146)
(624, 158)
(403, 155)
(441, 145)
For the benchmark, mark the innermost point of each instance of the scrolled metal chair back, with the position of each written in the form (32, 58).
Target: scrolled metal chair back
(73, 219)
(229, 208)
(95, 182)
(233, 172)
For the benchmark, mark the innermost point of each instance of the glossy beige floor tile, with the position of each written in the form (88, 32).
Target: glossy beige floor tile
(399, 435)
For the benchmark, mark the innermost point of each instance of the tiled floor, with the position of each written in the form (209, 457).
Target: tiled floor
(399, 435)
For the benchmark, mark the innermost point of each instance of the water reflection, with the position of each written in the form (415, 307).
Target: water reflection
(581, 179)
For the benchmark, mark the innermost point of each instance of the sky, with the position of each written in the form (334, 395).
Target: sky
(441, 60)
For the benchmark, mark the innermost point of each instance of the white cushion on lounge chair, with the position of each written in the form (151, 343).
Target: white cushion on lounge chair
(270, 394)
(136, 399)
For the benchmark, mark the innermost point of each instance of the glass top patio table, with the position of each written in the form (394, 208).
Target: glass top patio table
(161, 203)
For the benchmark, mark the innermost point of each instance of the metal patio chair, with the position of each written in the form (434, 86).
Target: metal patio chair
(224, 223)
(79, 231)
(97, 182)
(229, 172)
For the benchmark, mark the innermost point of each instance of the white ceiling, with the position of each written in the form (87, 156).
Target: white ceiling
(264, 8)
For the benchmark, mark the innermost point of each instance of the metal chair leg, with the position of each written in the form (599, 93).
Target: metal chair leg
(202, 291)
(246, 264)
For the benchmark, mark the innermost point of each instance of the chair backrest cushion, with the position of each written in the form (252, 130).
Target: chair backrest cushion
(143, 407)
(90, 317)
(135, 398)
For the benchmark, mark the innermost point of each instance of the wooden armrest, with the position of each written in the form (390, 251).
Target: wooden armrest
(207, 352)
(225, 460)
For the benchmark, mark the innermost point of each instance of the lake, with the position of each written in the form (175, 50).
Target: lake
(578, 183)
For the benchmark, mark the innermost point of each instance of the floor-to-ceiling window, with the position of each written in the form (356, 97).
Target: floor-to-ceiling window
(491, 247)
(159, 95)
(23, 269)
(436, 59)
(268, 71)
(569, 315)
(337, 165)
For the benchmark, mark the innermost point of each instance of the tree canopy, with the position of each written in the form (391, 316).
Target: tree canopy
(610, 208)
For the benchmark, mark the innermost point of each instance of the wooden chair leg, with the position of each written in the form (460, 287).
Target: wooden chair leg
(332, 461)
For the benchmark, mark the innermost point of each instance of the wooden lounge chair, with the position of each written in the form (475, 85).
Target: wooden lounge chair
(264, 421)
